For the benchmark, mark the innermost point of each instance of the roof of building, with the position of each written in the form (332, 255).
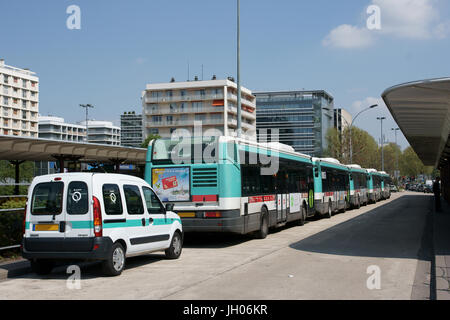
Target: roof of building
(421, 110)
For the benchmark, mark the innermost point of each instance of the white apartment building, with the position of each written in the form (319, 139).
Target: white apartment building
(19, 101)
(174, 105)
(102, 132)
(56, 129)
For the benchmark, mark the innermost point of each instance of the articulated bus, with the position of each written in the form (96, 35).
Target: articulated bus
(359, 194)
(227, 185)
(331, 184)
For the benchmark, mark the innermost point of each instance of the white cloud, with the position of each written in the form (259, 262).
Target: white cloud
(348, 37)
(406, 19)
(413, 19)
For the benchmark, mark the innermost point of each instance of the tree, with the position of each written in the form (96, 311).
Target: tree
(364, 147)
(149, 138)
(412, 166)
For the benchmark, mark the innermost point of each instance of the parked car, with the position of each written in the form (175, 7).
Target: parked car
(393, 188)
(96, 216)
(428, 189)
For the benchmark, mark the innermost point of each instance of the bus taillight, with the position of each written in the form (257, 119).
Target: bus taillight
(213, 214)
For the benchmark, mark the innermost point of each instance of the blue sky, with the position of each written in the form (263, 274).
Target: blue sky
(123, 45)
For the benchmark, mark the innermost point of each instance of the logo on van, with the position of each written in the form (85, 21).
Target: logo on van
(112, 197)
(76, 196)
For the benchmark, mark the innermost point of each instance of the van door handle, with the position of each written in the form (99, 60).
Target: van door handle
(150, 220)
(143, 222)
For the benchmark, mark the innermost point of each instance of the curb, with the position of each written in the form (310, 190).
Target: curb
(14, 269)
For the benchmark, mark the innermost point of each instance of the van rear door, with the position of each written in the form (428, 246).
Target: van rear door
(47, 217)
(78, 198)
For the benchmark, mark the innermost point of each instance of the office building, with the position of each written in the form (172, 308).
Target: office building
(213, 103)
(131, 129)
(342, 119)
(302, 118)
(56, 129)
(102, 132)
(19, 101)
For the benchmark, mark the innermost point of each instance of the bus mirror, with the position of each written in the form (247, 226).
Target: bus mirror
(169, 207)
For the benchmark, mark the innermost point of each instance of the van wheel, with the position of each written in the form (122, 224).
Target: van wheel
(264, 228)
(115, 263)
(42, 267)
(174, 251)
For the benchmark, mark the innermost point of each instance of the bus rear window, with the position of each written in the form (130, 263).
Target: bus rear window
(186, 151)
(47, 198)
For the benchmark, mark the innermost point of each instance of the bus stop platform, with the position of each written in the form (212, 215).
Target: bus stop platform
(441, 250)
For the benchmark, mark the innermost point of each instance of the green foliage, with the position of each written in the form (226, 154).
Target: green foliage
(13, 203)
(148, 139)
(11, 228)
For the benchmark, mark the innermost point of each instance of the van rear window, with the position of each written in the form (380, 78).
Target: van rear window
(111, 199)
(47, 198)
(77, 198)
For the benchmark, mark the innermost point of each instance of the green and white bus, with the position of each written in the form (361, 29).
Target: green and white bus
(227, 184)
(359, 194)
(374, 185)
(331, 186)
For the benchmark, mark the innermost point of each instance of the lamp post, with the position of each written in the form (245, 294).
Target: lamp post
(396, 153)
(87, 106)
(351, 126)
(382, 142)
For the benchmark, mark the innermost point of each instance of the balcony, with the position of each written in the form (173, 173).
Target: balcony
(196, 97)
(168, 111)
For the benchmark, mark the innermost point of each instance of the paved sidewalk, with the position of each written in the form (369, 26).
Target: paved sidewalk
(441, 236)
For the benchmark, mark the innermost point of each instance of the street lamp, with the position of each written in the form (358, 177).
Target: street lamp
(382, 142)
(351, 126)
(396, 153)
(86, 106)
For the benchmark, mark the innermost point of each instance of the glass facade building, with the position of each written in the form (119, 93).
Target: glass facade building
(301, 117)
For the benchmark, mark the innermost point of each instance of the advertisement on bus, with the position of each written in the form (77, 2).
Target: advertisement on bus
(172, 184)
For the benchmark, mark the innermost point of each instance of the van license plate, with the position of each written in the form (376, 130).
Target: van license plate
(46, 227)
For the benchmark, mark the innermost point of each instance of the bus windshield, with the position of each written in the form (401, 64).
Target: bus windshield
(185, 151)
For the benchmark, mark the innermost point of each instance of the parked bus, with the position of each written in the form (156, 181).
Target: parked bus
(359, 194)
(217, 184)
(331, 186)
(374, 185)
(386, 181)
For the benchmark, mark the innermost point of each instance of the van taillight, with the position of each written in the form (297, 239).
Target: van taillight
(98, 232)
(24, 220)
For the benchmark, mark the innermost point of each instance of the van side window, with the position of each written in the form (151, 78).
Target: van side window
(47, 198)
(77, 198)
(154, 206)
(133, 199)
(111, 199)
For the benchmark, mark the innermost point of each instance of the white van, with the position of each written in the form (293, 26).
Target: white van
(96, 216)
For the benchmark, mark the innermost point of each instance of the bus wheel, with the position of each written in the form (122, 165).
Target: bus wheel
(330, 212)
(264, 228)
(301, 221)
(345, 206)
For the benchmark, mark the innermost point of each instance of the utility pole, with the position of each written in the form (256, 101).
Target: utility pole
(382, 142)
(87, 106)
(239, 125)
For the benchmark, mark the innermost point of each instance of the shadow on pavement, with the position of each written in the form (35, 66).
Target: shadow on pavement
(393, 230)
